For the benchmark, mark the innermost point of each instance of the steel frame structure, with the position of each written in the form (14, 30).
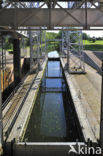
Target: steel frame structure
(72, 47)
(75, 52)
(55, 19)
(43, 41)
(37, 50)
(51, 17)
(2, 58)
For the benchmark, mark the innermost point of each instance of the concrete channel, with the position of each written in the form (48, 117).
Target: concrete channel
(17, 145)
(24, 115)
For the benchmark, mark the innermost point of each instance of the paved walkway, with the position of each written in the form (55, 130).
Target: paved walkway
(88, 87)
(12, 109)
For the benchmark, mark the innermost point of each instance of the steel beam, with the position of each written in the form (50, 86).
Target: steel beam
(1, 122)
(42, 0)
(53, 0)
(31, 50)
(16, 58)
(59, 18)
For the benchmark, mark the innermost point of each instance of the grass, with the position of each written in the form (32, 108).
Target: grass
(96, 46)
(98, 42)
(9, 49)
(88, 45)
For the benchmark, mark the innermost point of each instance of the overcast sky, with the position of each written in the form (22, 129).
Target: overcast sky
(97, 33)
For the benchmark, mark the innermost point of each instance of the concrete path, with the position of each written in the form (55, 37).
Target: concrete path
(21, 123)
(87, 94)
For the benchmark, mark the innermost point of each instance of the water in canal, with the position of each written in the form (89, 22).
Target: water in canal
(52, 119)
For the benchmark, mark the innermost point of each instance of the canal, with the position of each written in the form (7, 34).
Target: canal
(53, 118)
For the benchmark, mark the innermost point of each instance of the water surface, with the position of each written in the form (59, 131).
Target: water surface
(52, 118)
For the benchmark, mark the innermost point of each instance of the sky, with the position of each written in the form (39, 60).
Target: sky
(96, 33)
(91, 33)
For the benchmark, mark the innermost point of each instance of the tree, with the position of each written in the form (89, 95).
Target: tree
(59, 35)
(85, 36)
(50, 35)
(93, 39)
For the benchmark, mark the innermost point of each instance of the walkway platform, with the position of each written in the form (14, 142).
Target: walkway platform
(18, 130)
(87, 105)
(12, 110)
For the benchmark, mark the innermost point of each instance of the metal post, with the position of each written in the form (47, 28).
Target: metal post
(23, 42)
(76, 56)
(86, 14)
(60, 48)
(1, 122)
(68, 49)
(32, 5)
(38, 50)
(101, 118)
(41, 50)
(82, 47)
(50, 6)
(2, 64)
(31, 50)
(62, 43)
(17, 61)
(45, 42)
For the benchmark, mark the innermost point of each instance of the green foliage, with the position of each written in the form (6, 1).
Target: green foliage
(50, 35)
(94, 46)
(93, 39)
(8, 43)
(99, 38)
(85, 36)
(97, 42)
(89, 39)
(27, 42)
(52, 47)
(59, 35)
